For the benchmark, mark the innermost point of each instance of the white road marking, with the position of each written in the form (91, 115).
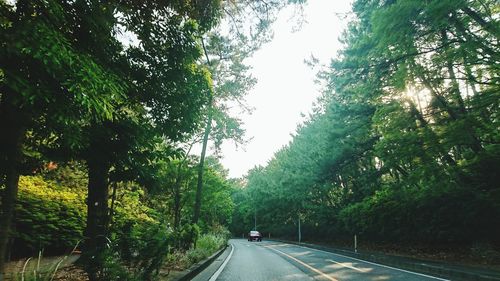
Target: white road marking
(346, 265)
(304, 264)
(376, 264)
(218, 272)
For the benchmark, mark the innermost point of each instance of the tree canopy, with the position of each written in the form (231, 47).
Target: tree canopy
(402, 144)
(117, 87)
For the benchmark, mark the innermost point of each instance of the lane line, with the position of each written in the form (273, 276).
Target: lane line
(304, 264)
(218, 272)
(348, 266)
(376, 264)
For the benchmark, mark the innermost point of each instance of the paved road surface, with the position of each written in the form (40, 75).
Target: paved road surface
(268, 260)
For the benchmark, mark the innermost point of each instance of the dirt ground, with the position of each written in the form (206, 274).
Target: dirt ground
(66, 271)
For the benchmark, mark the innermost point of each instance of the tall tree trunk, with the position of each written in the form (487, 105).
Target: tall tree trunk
(177, 198)
(12, 130)
(199, 186)
(177, 189)
(97, 205)
(455, 87)
(425, 125)
(475, 142)
(467, 35)
(490, 27)
(113, 199)
(208, 128)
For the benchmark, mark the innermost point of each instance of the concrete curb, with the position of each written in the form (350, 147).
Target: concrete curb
(196, 268)
(420, 266)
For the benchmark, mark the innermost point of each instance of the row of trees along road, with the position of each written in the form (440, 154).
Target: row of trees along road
(72, 89)
(403, 145)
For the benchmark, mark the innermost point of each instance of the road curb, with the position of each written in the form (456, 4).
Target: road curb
(196, 268)
(419, 266)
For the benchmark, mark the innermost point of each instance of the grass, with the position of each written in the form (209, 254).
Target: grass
(41, 268)
(206, 245)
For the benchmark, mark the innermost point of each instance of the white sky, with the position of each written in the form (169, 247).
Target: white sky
(285, 86)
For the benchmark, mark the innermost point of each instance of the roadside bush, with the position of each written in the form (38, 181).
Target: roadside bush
(206, 245)
(139, 240)
(48, 216)
(220, 230)
(112, 268)
(451, 216)
(211, 242)
(143, 247)
(186, 237)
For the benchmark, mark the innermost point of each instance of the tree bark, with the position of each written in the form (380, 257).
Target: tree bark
(208, 128)
(199, 187)
(13, 130)
(483, 23)
(475, 142)
(112, 208)
(455, 88)
(177, 189)
(425, 125)
(97, 204)
(177, 198)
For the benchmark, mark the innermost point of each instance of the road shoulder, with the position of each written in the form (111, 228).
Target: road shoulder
(438, 269)
(205, 273)
(199, 268)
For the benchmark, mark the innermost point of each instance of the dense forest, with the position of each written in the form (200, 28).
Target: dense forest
(101, 103)
(403, 146)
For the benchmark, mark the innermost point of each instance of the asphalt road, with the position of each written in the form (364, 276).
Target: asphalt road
(268, 260)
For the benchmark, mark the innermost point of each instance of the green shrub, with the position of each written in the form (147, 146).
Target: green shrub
(184, 238)
(211, 242)
(206, 245)
(451, 216)
(106, 265)
(144, 248)
(48, 216)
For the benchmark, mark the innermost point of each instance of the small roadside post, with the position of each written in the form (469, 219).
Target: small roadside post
(355, 243)
(300, 234)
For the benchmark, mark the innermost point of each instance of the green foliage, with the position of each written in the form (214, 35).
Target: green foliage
(217, 205)
(40, 269)
(143, 248)
(206, 245)
(72, 90)
(51, 217)
(131, 205)
(449, 216)
(48, 216)
(72, 175)
(403, 143)
(187, 236)
(111, 269)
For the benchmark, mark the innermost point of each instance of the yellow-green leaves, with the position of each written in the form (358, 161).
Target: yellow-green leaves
(91, 87)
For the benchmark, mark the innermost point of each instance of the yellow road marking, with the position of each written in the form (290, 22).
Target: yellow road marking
(304, 264)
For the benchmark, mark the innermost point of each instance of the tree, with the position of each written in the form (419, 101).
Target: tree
(166, 94)
(244, 29)
(51, 82)
(72, 59)
(400, 133)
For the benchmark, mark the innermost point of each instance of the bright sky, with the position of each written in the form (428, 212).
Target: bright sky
(285, 86)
